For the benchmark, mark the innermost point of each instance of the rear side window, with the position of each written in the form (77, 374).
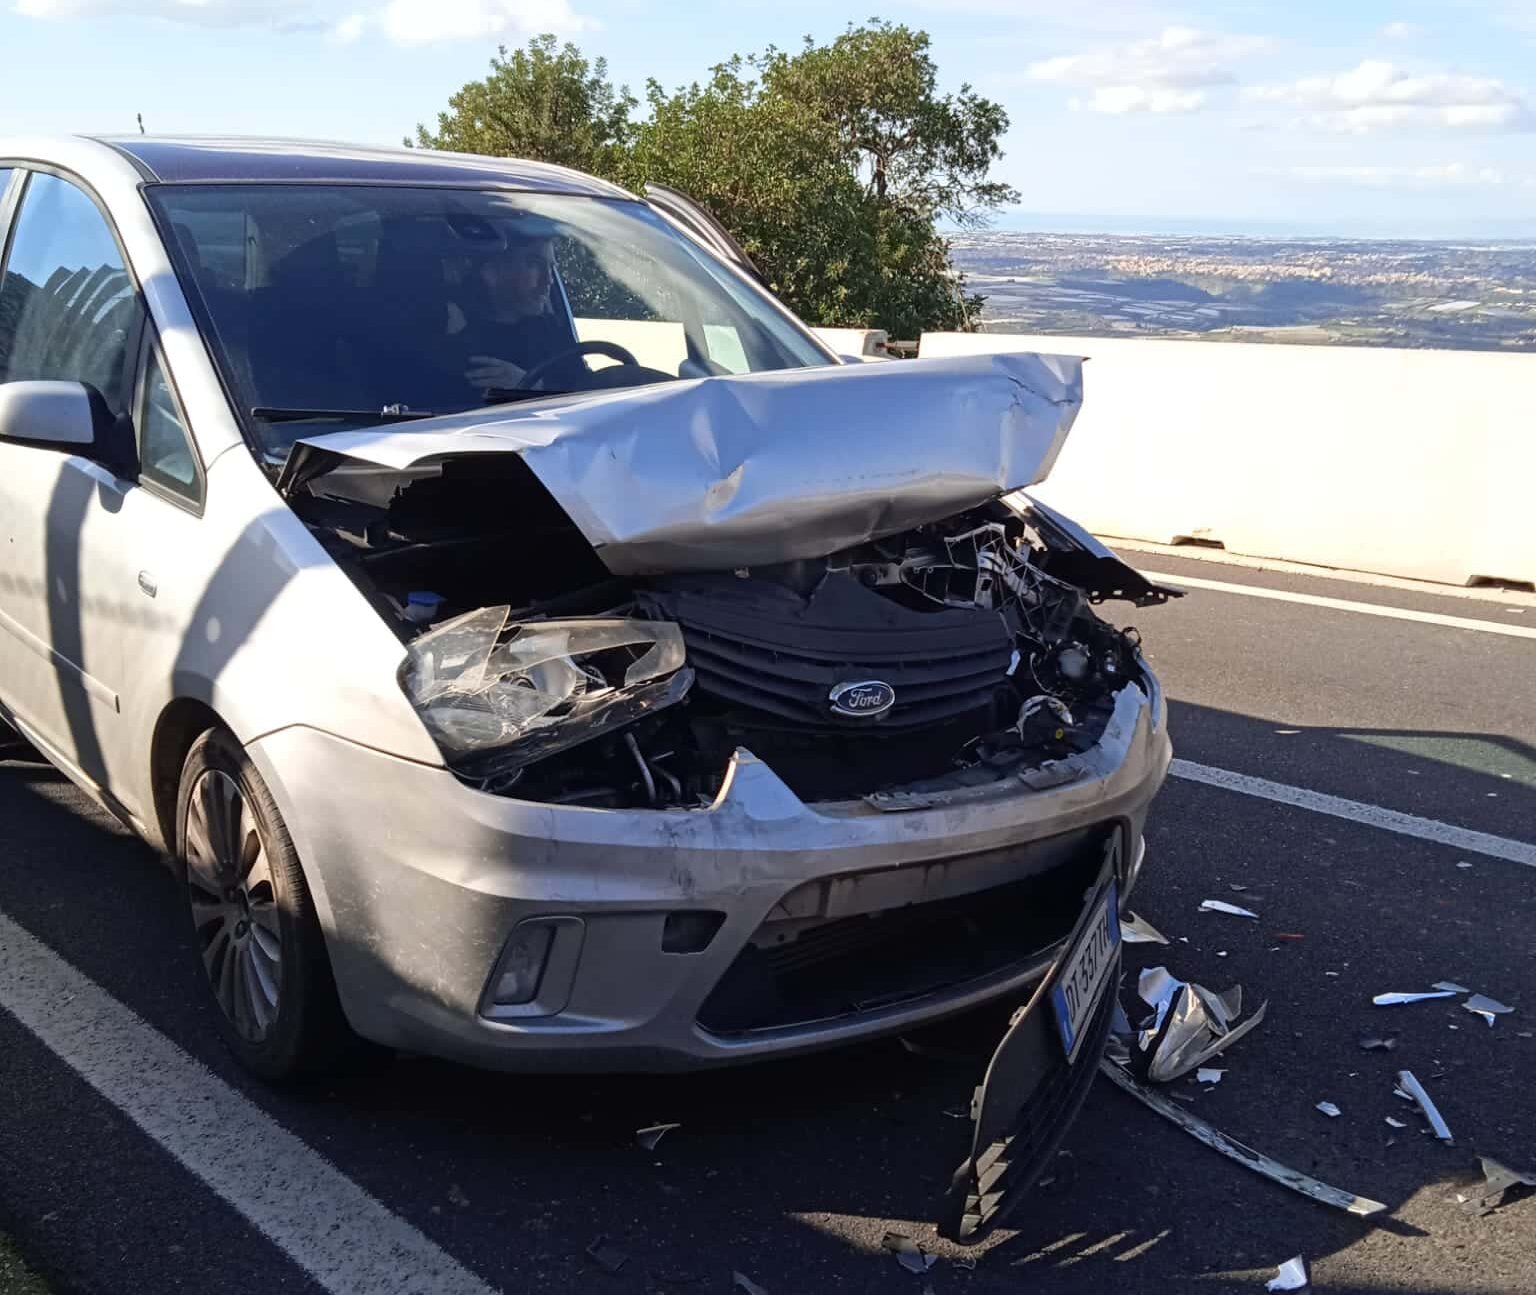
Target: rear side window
(67, 305)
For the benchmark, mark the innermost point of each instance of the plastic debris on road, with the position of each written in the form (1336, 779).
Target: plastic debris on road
(607, 1257)
(1221, 906)
(1329, 1109)
(740, 1281)
(909, 1254)
(1393, 999)
(1361, 1206)
(1498, 1179)
(1374, 1043)
(648, 1137)
(1209, 1075)
(1292, 1276)
(1451, 987)
(1190, 1023)
(1397, 1124)
(1487, 1008)
(1415, 1090)
(1137, 930)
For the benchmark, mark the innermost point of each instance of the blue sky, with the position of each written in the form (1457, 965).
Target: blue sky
(1342, 116)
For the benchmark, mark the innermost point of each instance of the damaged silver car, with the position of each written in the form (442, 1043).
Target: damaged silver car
(531, 644)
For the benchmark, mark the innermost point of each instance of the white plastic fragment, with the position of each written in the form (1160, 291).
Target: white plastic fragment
(1137, 930)
(1221, 906)
(1450, 986)
(1391, 1000)
(1397, 1124)
(1414, 1089)
(650, 1136)
(909, 1254)
(1360, 1206)
(1291, 1276)
(1209, 1075)
(1487, 1008)
(1330, 1110)
(740, 1281)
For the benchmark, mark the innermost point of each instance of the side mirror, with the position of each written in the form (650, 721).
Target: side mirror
(66, 414)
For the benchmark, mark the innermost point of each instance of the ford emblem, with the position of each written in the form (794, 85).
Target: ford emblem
(866, 699)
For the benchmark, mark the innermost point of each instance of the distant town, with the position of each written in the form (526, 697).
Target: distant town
(1457, 295)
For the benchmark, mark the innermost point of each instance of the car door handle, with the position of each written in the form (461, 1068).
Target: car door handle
(147, 583)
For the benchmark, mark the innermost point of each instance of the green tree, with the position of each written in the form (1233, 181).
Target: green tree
(832, 166)
(877, 86)
(541, 102)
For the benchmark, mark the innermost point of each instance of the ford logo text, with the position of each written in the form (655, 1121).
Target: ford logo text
(866, 699)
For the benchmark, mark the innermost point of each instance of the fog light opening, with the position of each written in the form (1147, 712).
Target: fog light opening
(690, 930)
(522, 964)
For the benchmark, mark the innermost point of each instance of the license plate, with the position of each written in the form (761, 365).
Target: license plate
(1084, 971)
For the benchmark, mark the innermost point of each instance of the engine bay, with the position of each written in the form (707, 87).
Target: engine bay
(951, 654)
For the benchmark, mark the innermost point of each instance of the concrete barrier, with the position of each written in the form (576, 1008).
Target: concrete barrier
(854, 341)
(1401, 462)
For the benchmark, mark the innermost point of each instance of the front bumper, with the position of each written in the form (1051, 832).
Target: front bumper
(419, 881)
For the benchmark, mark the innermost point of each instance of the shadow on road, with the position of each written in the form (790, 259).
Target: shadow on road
(792, 1172)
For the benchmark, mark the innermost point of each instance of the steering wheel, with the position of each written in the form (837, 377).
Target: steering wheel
(595, 347)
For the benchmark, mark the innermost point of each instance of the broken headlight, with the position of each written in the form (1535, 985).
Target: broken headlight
(496, 696)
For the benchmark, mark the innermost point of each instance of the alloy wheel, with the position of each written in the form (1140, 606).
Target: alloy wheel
(234, 905)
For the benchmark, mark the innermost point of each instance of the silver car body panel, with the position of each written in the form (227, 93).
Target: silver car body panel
(727, 472)
(418, 905)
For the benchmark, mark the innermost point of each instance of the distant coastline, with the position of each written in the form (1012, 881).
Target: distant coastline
(1454, 294)
(1425, 229)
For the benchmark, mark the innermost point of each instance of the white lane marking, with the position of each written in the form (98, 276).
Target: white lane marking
(1389, 820)
(1516, 599)
(1346, 605)
(341, 1236)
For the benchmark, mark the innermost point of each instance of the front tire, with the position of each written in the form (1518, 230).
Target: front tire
(253, 920)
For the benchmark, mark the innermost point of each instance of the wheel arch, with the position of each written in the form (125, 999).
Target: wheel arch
(180, 724)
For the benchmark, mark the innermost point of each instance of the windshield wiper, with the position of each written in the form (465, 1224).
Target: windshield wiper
(389, 414)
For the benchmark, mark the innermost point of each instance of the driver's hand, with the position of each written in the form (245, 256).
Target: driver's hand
(486, 372)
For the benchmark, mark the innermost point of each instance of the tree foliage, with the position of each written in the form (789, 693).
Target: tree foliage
(832, 166)
(542, 102)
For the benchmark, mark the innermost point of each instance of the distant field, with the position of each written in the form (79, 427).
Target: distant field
(1463, 296)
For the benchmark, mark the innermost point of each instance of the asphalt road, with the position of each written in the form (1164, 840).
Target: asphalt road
(791, 1174)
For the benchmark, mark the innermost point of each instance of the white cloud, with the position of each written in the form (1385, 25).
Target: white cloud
(420, 22)
(405, 22)
(1117, 99)
(1380, 96)
(1168, 73)
(1452, 175)
(1401, 30)
(207, 13)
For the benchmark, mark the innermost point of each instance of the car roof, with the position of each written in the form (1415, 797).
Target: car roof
(191, 159)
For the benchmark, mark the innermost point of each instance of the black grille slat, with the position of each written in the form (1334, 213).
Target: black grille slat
(761, 646)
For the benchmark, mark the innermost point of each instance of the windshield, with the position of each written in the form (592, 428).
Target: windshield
(328, 304)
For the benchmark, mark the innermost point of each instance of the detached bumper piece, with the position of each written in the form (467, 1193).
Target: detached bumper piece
(1030, 1096)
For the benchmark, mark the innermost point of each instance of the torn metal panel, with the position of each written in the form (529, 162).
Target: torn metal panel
(1235, 1150)
(762, 468)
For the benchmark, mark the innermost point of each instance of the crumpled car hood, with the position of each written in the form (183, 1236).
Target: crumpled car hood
(740, 471)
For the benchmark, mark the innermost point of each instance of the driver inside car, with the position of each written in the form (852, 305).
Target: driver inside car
(517, 326)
